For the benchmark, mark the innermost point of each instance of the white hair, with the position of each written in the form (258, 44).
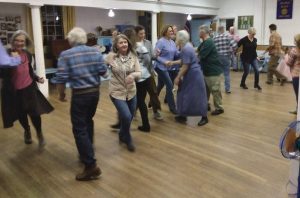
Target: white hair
(205, 29)
(251, 30)
(182, 37)
(77, 36)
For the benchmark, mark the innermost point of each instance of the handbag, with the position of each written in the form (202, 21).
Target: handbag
(284, 69)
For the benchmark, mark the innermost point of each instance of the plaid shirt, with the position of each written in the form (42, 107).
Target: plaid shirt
(275, 44)
(81, 66)
(225, 44)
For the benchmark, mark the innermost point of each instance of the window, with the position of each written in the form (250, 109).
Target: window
(52, 24)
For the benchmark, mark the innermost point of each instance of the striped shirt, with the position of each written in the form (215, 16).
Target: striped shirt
(225, 44)
(81, 66)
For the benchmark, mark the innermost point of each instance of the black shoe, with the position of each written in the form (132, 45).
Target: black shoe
(27, 137)
(244, 86)
(203, 121)
(269, 82)
(208, 107)
(228, 92)
(144, 129)
(217, 112)
(258, 87)
(181, 119)
(116, 126)
(282, 81)
(235, 70)
(173, 111)
(89, 173)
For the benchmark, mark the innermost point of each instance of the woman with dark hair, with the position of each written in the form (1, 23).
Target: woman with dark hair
(166, 54)
(20, 93)
(125, 69)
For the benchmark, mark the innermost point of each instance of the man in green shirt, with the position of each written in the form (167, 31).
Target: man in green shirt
(212, 69)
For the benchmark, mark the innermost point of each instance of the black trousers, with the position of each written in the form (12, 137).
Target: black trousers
(142, 89)
(23, 114)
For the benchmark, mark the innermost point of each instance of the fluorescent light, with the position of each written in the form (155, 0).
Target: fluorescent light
(189, 17)
(57, 18)
(111, 13)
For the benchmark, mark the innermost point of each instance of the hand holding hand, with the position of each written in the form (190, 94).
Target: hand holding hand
(41, 80)
(15, 54)
(129, 79)
(177, 81)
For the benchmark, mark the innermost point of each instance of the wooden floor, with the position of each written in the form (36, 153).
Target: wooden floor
(236, 155)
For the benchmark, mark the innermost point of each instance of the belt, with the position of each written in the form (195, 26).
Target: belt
(85, 90)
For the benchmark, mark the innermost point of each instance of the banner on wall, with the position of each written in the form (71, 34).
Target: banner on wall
(284, 9)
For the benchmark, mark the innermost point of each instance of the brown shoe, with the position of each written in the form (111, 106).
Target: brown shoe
(89, 173)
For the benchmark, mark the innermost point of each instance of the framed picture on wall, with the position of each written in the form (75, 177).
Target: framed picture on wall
(245, 22)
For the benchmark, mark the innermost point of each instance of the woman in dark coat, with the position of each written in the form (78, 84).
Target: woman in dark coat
(20, 93)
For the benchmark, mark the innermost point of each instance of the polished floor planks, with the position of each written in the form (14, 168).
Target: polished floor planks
(235, 155)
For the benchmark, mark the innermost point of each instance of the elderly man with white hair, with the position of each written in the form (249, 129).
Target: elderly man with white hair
(191, 96)
(82, 67)
(212, 69)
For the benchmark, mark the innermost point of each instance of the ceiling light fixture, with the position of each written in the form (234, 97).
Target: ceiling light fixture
(111, 13)
(189, 17)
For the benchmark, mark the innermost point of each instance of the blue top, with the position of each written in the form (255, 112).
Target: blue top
(188, 56)
(6, 60)
(168, 52)
(81, 66)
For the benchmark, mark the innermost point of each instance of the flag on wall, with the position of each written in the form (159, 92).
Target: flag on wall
(187, 26)
(284, 9)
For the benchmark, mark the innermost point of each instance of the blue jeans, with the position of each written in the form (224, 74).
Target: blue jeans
(164, 79)
(234, 62)
(225, 61)
(246, 67)
(126, 109)
(83, 108)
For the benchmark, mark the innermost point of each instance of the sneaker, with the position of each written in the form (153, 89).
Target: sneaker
(228, 92)
(217, 112)
(157, 116)
(89, 173)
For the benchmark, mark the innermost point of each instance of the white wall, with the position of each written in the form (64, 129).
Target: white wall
(11, 9)
(263, 16)
(235, 8)
(174, 19)
(287, 28)
(89, 18)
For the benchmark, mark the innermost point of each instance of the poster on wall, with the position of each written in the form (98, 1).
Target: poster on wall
(284, 9)
(8, 25)
(245, 22)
